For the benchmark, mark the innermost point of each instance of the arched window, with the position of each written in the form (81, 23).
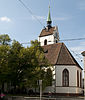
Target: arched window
(45, 42)
(77, 78)
(65, 77)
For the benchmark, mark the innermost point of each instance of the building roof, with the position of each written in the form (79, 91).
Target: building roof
(58, 54)
(46, 31)
(83, 53)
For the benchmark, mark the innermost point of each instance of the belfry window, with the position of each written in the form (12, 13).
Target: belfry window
(45, 42)
(65, 78)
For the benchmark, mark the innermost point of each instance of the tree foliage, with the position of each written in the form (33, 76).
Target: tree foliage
(23, 66)
(4, 39)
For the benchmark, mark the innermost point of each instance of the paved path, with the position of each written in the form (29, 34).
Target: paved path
(37, 98)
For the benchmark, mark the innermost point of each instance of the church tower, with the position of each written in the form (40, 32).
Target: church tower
(49, 35)
(66, 72)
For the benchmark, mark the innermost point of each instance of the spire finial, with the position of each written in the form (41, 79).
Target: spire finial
(49, 18)
(49, 6)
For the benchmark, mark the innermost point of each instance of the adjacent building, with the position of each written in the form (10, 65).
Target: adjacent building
(83, 53)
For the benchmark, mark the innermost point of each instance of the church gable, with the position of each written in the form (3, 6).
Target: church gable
(58, 54)
(65, 57)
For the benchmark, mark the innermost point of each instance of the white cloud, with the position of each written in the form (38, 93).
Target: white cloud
(5, 19)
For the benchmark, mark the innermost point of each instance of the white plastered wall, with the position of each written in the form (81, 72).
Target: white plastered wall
(72, 79)
(84, 75)
(49, 38)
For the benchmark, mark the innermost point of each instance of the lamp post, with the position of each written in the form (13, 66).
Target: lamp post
(40, 84)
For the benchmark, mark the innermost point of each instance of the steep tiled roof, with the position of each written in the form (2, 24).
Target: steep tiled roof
(46, 32)
(58, 54)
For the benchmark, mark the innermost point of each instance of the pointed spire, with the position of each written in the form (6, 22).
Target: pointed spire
(49, 18)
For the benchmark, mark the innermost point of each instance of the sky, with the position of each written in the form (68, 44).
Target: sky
(21, 25)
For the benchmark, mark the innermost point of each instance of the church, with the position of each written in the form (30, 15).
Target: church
(67, 73)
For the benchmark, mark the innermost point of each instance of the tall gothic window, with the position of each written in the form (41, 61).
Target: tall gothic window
(45, 42)
(65, 78)
(77, 78)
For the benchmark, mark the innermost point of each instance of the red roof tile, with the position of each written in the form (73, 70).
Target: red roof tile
(58, 54)
(46, 32)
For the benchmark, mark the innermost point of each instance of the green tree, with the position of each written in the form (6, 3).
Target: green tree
(4, 49)
(14, 63)
(4, 69)
(21, 66)
(37, 61)
(5, 39)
